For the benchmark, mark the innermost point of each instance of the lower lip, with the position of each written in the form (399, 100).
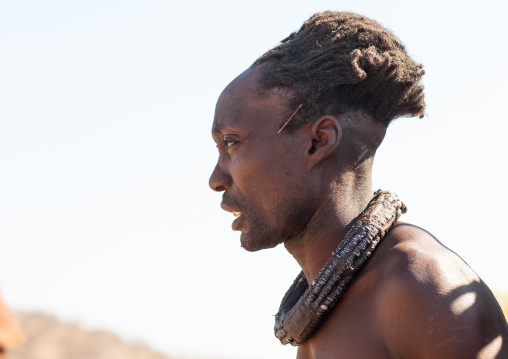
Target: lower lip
(236, 223)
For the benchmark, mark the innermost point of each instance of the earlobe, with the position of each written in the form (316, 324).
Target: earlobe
(326, 134)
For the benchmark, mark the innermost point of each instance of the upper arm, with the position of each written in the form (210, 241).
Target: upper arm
(434, 306)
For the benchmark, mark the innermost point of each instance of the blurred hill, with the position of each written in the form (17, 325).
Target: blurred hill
(46, 337)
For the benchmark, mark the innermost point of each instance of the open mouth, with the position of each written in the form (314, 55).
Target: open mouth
(237, 214)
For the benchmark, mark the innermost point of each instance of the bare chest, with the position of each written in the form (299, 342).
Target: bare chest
(351, 331)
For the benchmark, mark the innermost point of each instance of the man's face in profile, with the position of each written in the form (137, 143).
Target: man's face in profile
(262, 173)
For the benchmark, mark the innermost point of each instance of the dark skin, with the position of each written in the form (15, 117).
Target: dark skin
(414, 298)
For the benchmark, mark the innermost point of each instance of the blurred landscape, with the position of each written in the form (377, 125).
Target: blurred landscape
(46, 337)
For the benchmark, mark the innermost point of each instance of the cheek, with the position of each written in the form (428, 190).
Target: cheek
(253, 165)
(261, 180)
(266, 176)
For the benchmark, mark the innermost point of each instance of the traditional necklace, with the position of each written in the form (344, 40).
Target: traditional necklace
(304, 308)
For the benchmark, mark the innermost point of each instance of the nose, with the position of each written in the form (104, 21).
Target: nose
(219, 180)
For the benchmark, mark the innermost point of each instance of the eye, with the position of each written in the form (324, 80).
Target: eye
(228, 141)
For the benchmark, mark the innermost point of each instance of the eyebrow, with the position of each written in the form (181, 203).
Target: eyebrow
(217, 131)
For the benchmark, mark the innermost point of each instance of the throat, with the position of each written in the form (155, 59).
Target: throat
(325, 231)
(306, 305)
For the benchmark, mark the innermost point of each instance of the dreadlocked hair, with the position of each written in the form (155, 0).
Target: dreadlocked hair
(345, 61)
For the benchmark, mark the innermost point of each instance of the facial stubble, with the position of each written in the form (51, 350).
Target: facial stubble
(288, 220)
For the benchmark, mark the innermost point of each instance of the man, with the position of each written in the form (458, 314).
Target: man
(297, 133)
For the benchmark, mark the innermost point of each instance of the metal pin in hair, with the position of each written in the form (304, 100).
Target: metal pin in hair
(294, 113)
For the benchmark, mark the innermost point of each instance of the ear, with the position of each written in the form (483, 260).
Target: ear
(326, 134)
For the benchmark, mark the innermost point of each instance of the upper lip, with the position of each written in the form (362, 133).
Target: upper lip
(228, 207)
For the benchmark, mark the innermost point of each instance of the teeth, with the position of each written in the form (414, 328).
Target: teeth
(236, 214)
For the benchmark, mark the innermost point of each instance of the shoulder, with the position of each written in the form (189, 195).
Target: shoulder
(430, 303)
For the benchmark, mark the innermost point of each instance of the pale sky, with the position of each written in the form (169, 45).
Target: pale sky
(106, 217)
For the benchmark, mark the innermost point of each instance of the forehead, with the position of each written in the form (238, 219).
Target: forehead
(243, 105)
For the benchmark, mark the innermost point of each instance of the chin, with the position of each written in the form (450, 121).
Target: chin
(254, 243)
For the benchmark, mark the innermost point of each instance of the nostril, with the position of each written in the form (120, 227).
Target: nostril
(220, 180)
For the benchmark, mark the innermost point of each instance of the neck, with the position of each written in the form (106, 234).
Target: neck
(342, 205)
